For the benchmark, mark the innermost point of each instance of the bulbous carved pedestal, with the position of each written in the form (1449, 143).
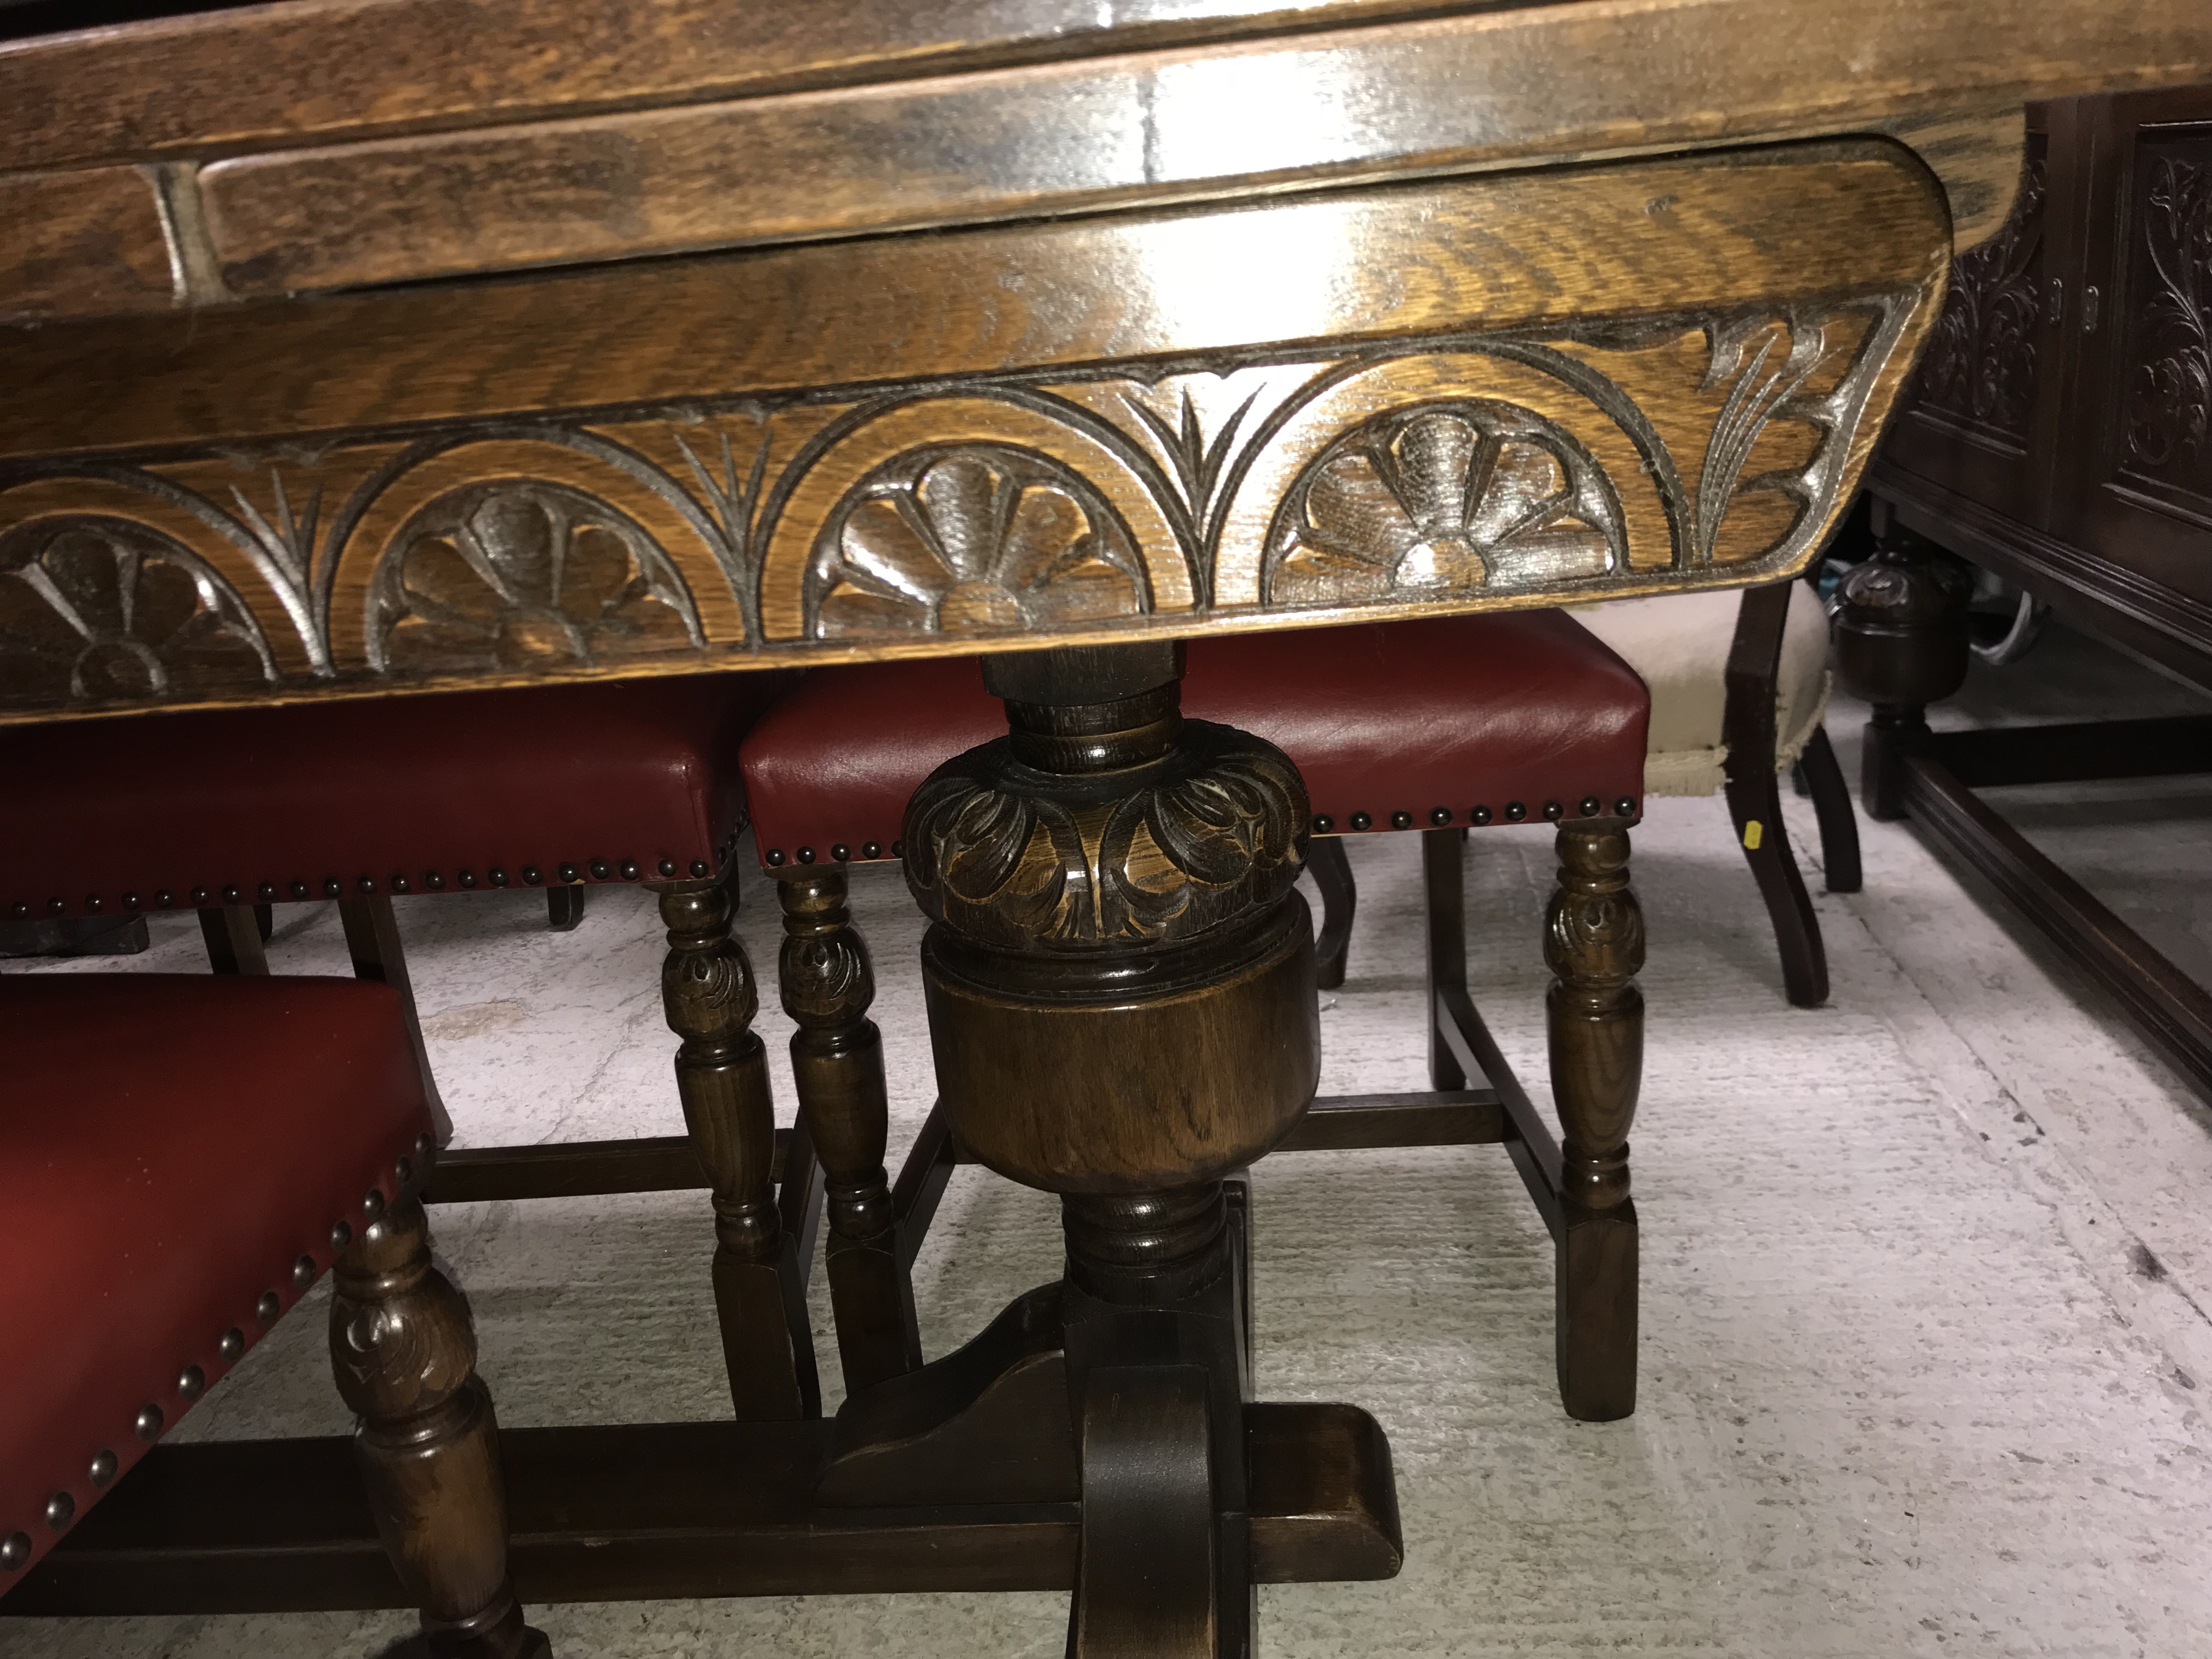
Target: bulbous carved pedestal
(1901, 643)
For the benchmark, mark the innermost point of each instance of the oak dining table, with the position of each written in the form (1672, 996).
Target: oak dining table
(364, 348)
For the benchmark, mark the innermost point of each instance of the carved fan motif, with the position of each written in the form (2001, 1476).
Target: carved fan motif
(1444, 498)
(520, 574)
(2169, 386)
(982, 538)
(101, 610)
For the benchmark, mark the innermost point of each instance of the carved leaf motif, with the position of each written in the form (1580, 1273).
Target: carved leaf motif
(1981, 361)
(103, 610)
(2169, 386)
(825, 978)
(518, 574)
(1444, 498)
(985, 537)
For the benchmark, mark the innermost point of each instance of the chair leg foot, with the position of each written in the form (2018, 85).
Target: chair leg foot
(427, 1439)
(564, 906)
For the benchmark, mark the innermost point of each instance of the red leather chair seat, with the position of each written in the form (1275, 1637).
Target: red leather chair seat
(175, 1147)
(402, 794)
(1409, 724)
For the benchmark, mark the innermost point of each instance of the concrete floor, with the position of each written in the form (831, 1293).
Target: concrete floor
(1926, 1354)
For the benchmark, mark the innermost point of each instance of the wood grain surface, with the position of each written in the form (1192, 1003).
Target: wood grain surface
(1467, 394)
(896, 124)
(86, 241)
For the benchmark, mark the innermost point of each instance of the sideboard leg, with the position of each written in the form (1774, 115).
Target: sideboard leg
(1901, 643)
(837, 1062)
(427, 1439)
(1593, 943)
(722, 1072)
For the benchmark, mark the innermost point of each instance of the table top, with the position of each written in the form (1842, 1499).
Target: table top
(1227, 316)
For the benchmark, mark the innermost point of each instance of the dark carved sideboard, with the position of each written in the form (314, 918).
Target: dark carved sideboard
(2059, 433)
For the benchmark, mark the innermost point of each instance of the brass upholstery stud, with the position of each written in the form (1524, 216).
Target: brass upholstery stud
(231, 893)
(232, 1347)
(775, 855)
(531, 875)
(57, 906)
(266, 892)
(303, 1272)
(1323, 824)
(61, 1510)
(147, 1424)
(601, 869)
(15, 1552)
(103, 1467)
(569, 872)
(333, 888)
(628, 870)
(268, 1308)
(423, 1143)
(1592, 807)
(701, 869)
(19, 909)
(372, 1206)
(1480, 815)
(191, 1382)
(432, 882)
(400, 885)
(402, 1171)
(667, 867)
(92, 903)
(1361, 820)
(1554, 811)
(872, 849)
(131, 901)
(840, 852)
(1402, 820)
(1440, 815)
(366, 883)
(341, 1234)
(806, 855)
(1515, 812)
(165, 898)
(299, 889)
(898, 849)
(464, 877)
(1626, 807)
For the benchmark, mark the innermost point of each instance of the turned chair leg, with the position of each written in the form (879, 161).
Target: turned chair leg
(1831, 807)
(1332, 873)
(564, 906)
(427, 1439)
(721, 1074)
(837, 1062)
(1901, 643)
(1594, 1016)
(372, 936)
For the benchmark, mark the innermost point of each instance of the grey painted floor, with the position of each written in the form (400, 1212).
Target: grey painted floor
(1926, 1358)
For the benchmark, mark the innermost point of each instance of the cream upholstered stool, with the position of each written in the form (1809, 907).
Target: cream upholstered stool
(1739, 685)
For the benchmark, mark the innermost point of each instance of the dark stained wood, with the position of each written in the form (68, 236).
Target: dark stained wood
(564, 906)
(405, 1356)
(1444, 884)
(2164, 1004)
(921, 1182)
(1754, 797)
(837, 1062)
(2093, 751)
(1901, 643)
(372, 936)
(1339, 897)
(1831, 807)
(722, 1072)
(90, 241)
(233, 940)
(1456, 1117)
(1593, 1019)
(1145, 1573)
(662, 1510)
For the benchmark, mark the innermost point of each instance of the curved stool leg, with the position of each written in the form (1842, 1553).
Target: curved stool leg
(1594, 1016)
(837, 1062)
(722, 1072)
(427, 1439)
(1755, 806)
(1339, 897)
(1831, 807)
(564, 906)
